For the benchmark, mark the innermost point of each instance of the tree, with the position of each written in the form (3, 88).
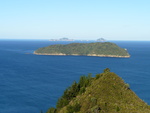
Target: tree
(51, 110)
(106, 70)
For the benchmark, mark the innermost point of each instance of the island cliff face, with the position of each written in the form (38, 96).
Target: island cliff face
(104, 93)
(105, 49)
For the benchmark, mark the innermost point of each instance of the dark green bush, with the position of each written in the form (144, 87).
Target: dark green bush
(106, 70)
(74, 108)
(51, 110)
(73, 91)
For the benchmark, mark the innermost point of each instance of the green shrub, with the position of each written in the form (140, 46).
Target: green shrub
(117, 109)
(74, 108)
(82, 90)
(98, 76)
(51, 110)
(106, 70)
(95, 109)
(127, 86)
(74, 90)
(94, 101)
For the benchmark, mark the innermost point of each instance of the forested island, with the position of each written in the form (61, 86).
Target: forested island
(101, 49)
(104, 93)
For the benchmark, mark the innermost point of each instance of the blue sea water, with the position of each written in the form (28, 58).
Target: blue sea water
(30, 83)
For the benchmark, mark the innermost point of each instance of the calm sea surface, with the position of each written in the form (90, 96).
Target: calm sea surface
(31, 83)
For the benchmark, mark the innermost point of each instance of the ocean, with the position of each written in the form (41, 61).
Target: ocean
(30, 83)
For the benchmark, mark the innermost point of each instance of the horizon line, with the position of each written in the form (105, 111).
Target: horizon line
(75, 39)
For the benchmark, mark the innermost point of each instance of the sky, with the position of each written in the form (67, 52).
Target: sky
(75, 19)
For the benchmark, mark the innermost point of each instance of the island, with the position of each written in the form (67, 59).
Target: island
(62, 39)
(101, 40)
(104, 93)
(100, 49)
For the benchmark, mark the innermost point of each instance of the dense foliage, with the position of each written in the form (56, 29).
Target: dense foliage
(105, 93)
(72, 92)
(97, 48)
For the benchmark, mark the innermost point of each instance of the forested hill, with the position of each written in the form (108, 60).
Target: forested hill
(105, 93)
(105, 49)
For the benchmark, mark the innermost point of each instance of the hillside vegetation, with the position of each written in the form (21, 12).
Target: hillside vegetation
(105, 93)
(106, 49)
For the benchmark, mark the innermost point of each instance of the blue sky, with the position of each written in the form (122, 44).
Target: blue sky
(75, 19)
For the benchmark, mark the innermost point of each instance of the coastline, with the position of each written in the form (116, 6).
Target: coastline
(62, 54)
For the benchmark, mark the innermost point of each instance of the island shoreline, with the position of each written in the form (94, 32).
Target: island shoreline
(62, 54)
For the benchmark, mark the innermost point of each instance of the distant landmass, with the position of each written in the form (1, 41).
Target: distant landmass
(62, 39)
(101, 49)
(101, 40)
(67, 39)
(104, 93)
